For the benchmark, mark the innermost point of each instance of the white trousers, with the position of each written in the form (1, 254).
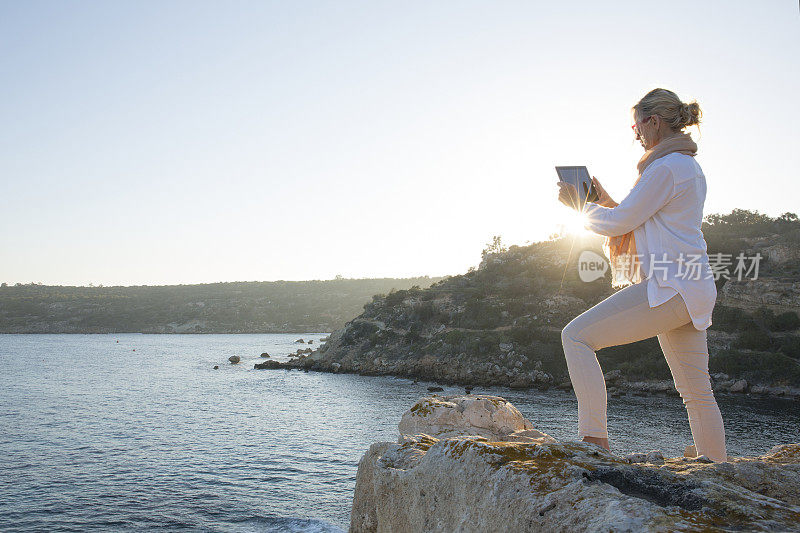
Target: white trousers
(626, 317)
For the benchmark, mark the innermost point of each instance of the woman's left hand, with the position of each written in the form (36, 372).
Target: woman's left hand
(568, 194)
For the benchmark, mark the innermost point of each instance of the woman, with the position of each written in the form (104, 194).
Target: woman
(658, 254)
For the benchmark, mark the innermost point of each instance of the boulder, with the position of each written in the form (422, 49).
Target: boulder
(459, 476)
(445, 416)
(300, 341)
(268, 365)
(234, 359)
(265, 354)
(739, 386)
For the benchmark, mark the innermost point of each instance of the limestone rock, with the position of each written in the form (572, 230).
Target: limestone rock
(462, 481)
(489, 416)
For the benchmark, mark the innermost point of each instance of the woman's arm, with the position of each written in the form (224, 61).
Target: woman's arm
(651, 193)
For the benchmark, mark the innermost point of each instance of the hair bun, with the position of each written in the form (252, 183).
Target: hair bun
(690, 114)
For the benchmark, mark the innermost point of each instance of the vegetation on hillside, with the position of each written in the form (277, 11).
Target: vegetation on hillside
(522, 296)
(241, 307)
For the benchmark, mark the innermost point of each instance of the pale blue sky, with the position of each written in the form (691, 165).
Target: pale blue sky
(182, 142)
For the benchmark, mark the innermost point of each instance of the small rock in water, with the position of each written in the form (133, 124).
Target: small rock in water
(468, 390)
(216, 367)
(265, 354)
(311, 341)
(300, 341)
(234, 359)
(267, 365)
(435, 389)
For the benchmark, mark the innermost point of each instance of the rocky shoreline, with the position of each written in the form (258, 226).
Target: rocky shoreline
(482, 376)
(474, 463)
(501, 324)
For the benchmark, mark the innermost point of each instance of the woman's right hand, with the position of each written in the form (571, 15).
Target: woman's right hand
(568, 194)
(605, 199)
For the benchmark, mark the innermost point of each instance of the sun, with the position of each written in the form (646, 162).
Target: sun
(575, 223)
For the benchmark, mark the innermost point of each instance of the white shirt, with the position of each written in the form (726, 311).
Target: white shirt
(665, 210)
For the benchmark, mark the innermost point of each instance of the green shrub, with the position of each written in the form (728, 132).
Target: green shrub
(787, 321)
(396, 297)
(753, 339)
(790, 346)
(456, 337)
(730, 319)
(523, 336)
(357, 332)
(769, 367)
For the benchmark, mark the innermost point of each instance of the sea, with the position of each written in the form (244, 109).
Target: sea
(133, 432)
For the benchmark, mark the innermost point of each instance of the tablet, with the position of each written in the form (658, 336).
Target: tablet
(578, 176)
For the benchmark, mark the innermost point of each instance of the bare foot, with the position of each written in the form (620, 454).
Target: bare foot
(603, 443)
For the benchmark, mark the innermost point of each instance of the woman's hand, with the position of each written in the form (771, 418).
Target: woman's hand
(605, 199)
(568, 194)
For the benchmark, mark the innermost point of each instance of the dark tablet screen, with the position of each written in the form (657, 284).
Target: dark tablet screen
(578, 176)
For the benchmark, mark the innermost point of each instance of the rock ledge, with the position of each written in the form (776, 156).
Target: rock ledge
(501, 474)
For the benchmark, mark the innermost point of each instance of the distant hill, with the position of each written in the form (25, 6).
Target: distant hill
(500, 324)
(242, 307)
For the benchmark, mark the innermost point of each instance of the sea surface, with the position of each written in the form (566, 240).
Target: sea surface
(139, 432)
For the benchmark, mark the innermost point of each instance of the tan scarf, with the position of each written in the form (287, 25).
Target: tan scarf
(621, 249)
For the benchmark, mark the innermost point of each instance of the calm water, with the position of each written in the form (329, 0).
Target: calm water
(95, 435)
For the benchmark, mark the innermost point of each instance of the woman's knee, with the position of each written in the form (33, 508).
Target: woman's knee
(696, 393)
(574, 332)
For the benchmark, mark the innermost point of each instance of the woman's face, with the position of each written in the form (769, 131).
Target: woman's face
(646, 130)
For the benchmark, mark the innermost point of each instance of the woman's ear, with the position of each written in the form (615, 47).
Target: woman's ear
(656, 122)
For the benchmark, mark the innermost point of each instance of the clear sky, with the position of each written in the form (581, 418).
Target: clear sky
(186, 142)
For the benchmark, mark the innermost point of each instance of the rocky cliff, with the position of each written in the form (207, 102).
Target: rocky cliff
(500, 324)
(474, 463)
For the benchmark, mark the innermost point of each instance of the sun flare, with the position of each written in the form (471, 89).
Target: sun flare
(575, 224)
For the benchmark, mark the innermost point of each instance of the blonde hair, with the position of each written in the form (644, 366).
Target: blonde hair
(669, 107)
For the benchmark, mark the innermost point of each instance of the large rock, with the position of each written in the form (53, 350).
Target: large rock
(473, 483)
(447, 416)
